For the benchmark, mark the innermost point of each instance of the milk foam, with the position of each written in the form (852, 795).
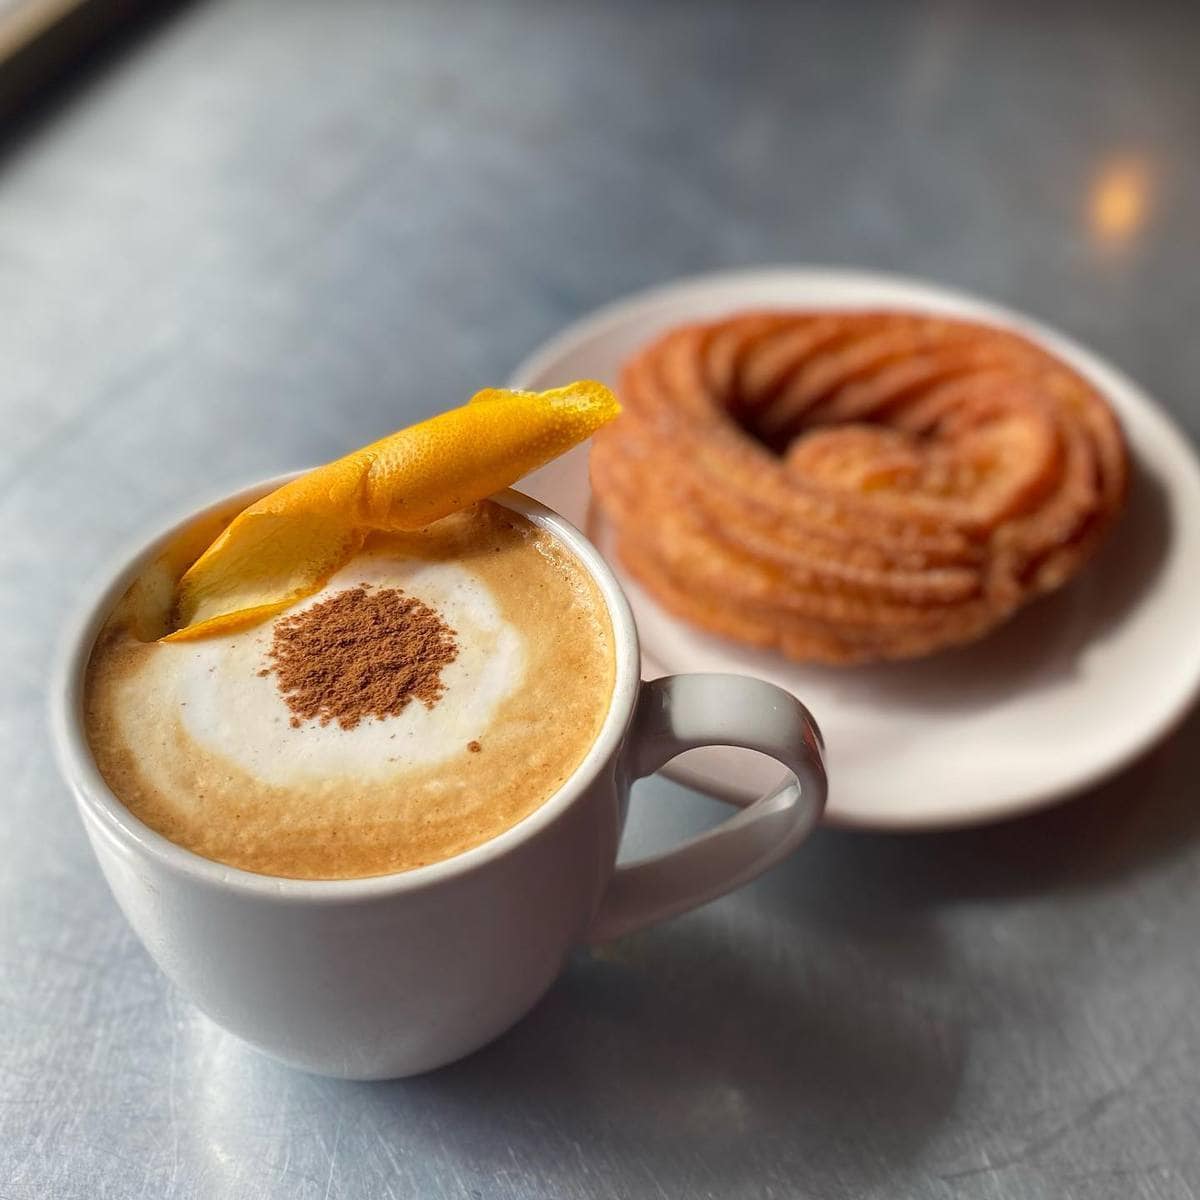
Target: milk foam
(227, 706)
(196, 739)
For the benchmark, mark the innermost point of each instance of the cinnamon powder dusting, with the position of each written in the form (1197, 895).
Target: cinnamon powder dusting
(365, 652)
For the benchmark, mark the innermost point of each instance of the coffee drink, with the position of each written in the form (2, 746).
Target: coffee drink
(436, 691)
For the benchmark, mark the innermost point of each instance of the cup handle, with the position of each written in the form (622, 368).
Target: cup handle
(682, 712)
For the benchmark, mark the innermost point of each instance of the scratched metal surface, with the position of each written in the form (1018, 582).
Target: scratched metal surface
(273, 231)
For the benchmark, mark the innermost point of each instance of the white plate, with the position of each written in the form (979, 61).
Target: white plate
(1072, 689)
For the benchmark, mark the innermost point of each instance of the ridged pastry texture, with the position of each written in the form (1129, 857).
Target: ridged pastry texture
(850, 487)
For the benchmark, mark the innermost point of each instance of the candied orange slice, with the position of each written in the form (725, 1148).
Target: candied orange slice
(287, 545)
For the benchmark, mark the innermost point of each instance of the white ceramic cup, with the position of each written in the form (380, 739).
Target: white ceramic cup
(397, 974)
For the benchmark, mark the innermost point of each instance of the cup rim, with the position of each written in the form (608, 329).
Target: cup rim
(104, 814)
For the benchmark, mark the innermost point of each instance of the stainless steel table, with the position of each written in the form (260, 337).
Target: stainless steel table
(272, 231)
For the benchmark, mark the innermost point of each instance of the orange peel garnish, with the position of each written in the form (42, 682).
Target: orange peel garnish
(288, 544)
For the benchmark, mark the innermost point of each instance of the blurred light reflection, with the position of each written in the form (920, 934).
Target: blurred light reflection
(1120, 199)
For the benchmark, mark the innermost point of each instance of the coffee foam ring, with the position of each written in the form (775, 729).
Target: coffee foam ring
(288, 544)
